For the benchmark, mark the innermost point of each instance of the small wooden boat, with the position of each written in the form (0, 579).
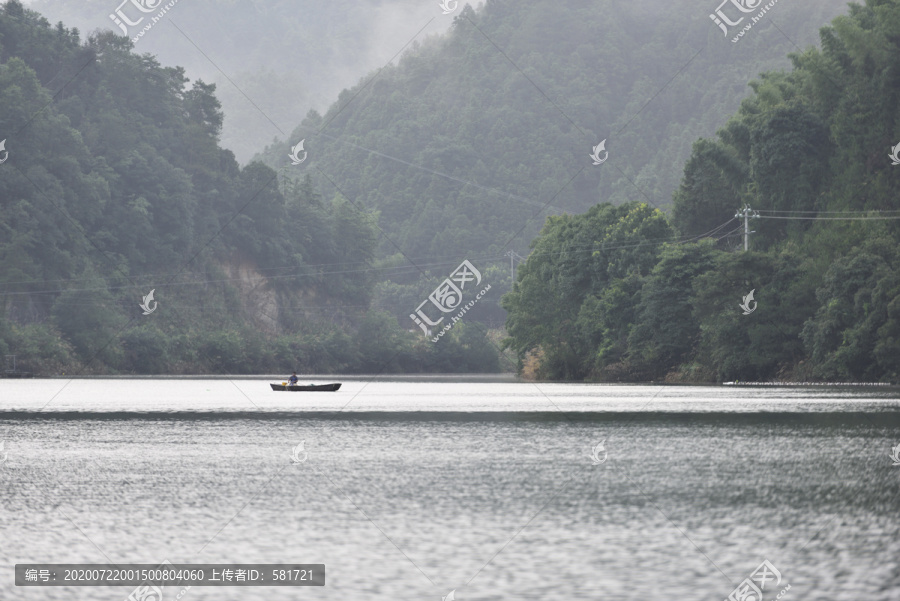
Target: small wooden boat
(309, 388)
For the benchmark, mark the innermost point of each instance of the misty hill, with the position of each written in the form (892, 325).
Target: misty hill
(287, 57)
(461, 144)
(624, 293)
(113, 186)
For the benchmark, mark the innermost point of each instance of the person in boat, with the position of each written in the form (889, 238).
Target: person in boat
(292, 381)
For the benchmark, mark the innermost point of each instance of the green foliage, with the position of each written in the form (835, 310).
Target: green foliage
(378, 334)
(665, 331)
(89, 320)
(581, 267)
(812, 140)
(763, 344)
(134, 193)
(146, 351)
(710, 189)
(458, 150)
(255, 269)
(38, 348)
(856, 315)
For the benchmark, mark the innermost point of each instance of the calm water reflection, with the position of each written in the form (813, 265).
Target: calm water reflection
(489, 489)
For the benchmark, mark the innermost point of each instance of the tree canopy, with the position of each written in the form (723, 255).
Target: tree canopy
(115, 185)
(809, 150)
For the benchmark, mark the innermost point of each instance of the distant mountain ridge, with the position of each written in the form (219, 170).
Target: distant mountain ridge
(286, 56)
(461, 143)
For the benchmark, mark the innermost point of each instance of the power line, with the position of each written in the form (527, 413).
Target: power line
(839, 212)
(387, 270)
(729, 234)
(813, 218)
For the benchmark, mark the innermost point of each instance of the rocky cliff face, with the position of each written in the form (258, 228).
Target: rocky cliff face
(260, 300)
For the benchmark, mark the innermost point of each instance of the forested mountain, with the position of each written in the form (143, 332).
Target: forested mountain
(470, 141)
(116, 183)
(271, 60)
(622, 293)
(470, 134)
(113, 184)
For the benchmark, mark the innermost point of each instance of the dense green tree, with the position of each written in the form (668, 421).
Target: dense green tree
(135, 194)
(146, 351)
(710, 189)
(454, 151)
(460, 144)
(764, 344)
(572, 265)
(604, 325)
(857, 309)
(665, 332)
(808, 150)
(89, 319)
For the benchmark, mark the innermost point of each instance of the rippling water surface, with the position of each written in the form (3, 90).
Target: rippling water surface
(413, 489)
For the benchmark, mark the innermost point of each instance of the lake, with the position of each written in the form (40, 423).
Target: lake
(413, 488)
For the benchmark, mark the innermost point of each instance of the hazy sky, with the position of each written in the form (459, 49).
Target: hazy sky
(272, 60)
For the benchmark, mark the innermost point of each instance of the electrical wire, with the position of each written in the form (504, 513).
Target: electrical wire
(729, 233)
(831, 218)
(817, 211)
(399, 269)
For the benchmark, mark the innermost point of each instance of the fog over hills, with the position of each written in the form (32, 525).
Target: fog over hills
(573, 152)
(287, 56)
(466, 136)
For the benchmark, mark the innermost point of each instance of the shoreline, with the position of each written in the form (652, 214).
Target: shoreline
(499, 378)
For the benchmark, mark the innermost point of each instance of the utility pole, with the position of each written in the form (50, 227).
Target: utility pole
(747, 213)
(513, 255)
